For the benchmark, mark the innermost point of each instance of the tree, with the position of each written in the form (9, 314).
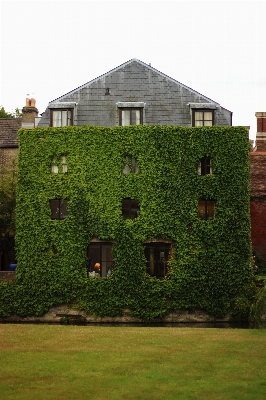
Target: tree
(5, 114)
(8, 184)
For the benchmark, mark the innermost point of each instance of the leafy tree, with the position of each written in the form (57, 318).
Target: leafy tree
(8, 183)
(5, 114)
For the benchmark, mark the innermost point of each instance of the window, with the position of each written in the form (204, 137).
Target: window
(202, 117)
(58, 209)
(130, 116)
(61, 117)
(205, 166)
(130, 165)
(100, 259)
(130, 208)
(156, 255)
(206, 209)
(54, 165)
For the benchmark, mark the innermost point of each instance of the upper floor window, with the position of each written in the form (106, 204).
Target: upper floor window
(202, 117)
(206, 209)
(61, 163)
(61, 117)
(205, 166)
(130, 208)
(130, 165)
(58, 209)
(130, 116)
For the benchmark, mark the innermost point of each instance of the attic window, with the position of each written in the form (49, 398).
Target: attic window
(130, 116)
(202, 117)
(61, 117)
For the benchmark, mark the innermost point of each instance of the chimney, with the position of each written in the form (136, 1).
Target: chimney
(261, 131)
(29, 112)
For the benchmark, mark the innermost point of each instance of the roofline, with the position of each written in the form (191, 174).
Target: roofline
(145, 65)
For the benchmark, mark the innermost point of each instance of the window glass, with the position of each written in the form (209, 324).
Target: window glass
(205, 167)
(130, 165)
(125, 117)
(61, 118)
(130, 208)
(130, 116)
(157, 255)
(206, 209)
(58, 209)
(100, 259)
(202, 118)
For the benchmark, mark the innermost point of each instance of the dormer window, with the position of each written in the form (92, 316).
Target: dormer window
(61, 117)
(205, 166)
(202, 117)
(130, 116)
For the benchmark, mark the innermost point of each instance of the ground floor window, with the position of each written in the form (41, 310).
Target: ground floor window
(157, 255)
(100, 259)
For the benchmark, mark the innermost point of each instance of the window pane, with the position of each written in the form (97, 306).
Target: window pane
(56, 118)
(125, 117)
(134, 208)
(63, 209)
(208, 116)
(201, 209)
(54, 205)
(69, 114)
(64, 164)
(198, 116)
(126, 169)
(207, 123)
(210, 209)
(64, 118)
(135, 117)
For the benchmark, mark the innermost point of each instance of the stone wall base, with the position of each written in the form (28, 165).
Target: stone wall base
(55, 315)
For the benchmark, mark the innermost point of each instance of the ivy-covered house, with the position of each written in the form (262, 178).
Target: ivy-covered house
(130, 196)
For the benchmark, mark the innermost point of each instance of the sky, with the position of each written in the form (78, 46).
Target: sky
(217, 48)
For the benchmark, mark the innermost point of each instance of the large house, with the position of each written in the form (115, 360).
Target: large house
(137, 179)
(131, 94)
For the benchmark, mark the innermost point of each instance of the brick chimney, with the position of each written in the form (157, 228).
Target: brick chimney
(29, 112)
(261, 131)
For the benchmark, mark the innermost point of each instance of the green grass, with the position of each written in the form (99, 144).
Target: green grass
(97, 362)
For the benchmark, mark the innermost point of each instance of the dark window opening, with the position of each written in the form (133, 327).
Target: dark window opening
(61, 117)
(130, 208)
(205, 166)
(130, 116)
(157, 255)
(206, 209)
(202, 117)
(58, 209)
(130, 165)
(100, 259)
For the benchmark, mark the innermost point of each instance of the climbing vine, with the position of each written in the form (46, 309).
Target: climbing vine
(211, 259)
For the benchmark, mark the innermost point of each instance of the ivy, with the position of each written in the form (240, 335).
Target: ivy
(211, 260)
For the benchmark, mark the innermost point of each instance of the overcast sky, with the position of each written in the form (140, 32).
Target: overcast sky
(217, 48)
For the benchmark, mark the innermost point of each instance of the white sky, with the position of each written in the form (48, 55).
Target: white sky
(217, 48)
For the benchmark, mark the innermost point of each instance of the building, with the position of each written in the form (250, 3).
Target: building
(8, 159)
(258, 188)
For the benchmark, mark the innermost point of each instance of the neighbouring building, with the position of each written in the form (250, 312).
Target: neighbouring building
(258, 188)
(8, 159)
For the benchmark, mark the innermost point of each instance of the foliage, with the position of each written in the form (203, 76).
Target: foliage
(8, 184)
(258, 308)
(259, 263)
(211, 260)
(5, 114)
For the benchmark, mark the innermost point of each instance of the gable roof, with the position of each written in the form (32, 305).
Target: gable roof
(9, 131)
(124, 65)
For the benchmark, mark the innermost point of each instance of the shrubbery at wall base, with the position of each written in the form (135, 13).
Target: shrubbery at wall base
(211, 260)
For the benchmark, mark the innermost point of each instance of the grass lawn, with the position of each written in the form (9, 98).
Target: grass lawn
(115, 362)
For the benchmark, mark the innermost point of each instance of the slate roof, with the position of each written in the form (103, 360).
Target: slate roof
(9, 131)
(124, 65)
